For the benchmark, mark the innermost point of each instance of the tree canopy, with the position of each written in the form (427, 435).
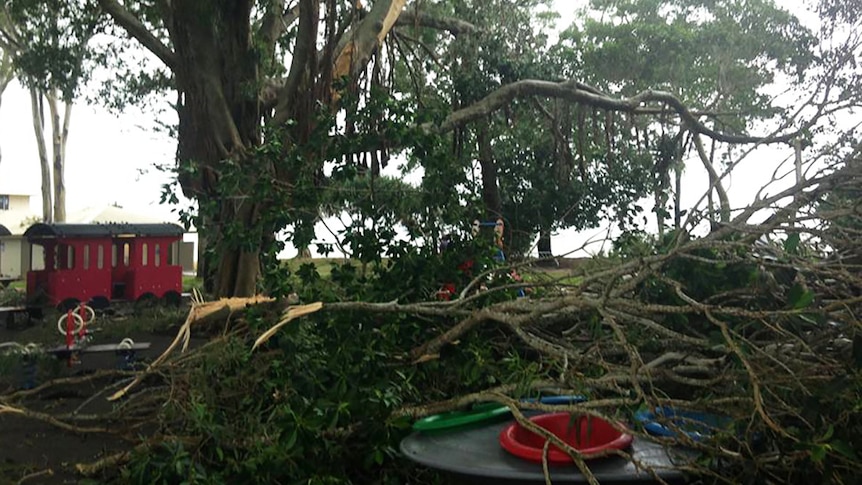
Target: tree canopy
(273, 97)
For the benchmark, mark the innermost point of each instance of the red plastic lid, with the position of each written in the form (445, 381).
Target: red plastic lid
(588, 434)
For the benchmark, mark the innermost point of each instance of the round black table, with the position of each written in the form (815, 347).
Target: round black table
(475, 456)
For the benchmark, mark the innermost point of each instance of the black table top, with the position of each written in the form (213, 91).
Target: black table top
(476, 456)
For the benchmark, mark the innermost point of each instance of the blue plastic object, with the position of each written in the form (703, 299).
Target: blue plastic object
(126, 359)
(668, 421)
(558, 400)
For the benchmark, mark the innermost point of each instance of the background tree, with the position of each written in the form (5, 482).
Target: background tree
(47, 45)
(717, 57)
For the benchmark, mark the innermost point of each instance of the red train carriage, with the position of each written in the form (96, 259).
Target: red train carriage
(99, 262)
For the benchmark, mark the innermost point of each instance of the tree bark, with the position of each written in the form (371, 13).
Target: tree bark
(6, 76)
(238, 265)
(490, 185)
(59, 132)
(677, 196)
(714, 180)
(218, 123)
(205, 270)
(39, 130)
(543, 247)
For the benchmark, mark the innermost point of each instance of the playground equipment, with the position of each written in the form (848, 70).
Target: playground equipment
(590, 435)
(448, 289)
(97, 264)
(478, 453)
(74, 325)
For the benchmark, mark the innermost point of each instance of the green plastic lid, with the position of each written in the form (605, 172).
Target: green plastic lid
(454, 419)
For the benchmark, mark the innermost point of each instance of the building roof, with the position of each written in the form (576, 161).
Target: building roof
(14, 193)
(111, 213)
(41, 231)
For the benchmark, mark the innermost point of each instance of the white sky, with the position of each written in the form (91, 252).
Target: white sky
(105, 155)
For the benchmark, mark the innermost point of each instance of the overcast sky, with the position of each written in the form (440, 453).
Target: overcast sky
(106, 156)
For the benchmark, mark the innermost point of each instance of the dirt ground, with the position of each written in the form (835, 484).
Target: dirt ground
(35, 452)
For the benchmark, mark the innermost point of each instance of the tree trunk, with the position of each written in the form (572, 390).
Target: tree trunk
(238, 266)
(39, 129)
(205, 269)
(677, 196)
(544, 249)
(659, 196)
(714, 181)
(218, 123)
(6, 76)
(490, 185)
(60, 132)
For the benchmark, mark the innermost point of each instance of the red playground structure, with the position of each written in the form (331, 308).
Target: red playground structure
(96, 263)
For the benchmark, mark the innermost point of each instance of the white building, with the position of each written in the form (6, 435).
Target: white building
(16, 216)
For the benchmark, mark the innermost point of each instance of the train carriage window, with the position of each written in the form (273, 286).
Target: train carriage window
(86, 257)
(172, 258)
(114, 250)
(69, 253)
(158, 257)
(127, 251)
(100, 256)
(144, 254)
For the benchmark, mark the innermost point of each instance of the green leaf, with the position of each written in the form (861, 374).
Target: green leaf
(378, 457)
(818, 453)
(791, 244)
(799, 297)
(845, 449)
(291, 440)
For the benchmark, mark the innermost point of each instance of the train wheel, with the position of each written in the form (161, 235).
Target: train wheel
(62, 323)
(100, 302)
(172, 298)
(147, 300)
(68, 304)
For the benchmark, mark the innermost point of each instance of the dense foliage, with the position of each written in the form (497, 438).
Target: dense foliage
(317, 403)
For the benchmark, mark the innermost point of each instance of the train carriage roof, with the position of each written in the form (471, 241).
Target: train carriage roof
(4, 231)
(42, 230)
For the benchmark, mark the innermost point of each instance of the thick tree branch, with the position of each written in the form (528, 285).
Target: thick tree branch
(580, 93)
(10, 42)
(136, 29)
(455, 26)
(275, 22)
(714, 179)
(302, 57)
(364, 40)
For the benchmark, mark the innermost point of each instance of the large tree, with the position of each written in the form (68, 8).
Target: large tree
(46, 44)
(269, 91)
